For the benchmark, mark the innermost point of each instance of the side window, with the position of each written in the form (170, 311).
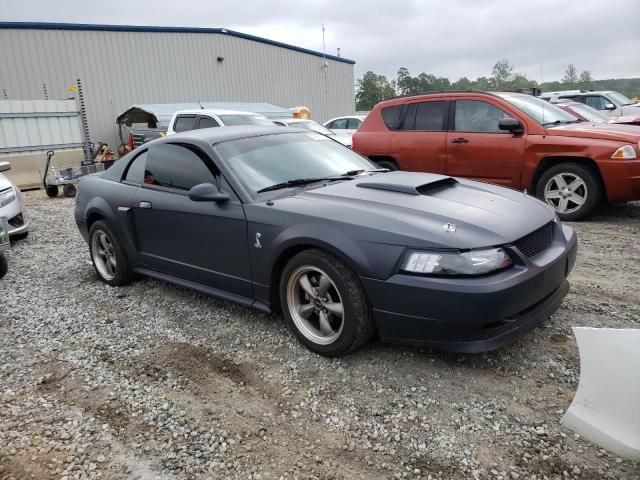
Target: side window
(175, 166)
(410, 117)
(184, 123)
(430, 116)
(353, 123)
(596, 101)
(339, 124)
(207, 122)
(135, 170)
(391, 116)
(477, 116)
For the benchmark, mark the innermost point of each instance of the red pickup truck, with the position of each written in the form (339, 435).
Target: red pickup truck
(512, 139)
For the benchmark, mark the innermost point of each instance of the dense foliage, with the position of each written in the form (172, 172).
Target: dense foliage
(373, 88)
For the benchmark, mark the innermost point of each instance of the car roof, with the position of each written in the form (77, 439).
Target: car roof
(215, 111)
(575, 92)
(212, 136)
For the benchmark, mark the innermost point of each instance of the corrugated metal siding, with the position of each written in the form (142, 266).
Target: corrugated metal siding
(27, 126)
(121, 68)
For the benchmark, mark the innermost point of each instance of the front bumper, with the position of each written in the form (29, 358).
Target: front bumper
(17, 216)
(475, 314)
(621, 179)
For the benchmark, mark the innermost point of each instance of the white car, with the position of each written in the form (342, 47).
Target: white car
(345, 125)
(185, 120)
(610, 102)
(12, 205)
(314, 127)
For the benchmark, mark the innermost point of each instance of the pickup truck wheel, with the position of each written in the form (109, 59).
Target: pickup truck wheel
(388, 164)
(108, 255)
(324, 304)
(572, 190)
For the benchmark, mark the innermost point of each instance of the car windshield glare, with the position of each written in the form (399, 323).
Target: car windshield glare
(591, 114)
(541, 111)
(619, 98)
(313, 126)
(231, 120)
(260, 162)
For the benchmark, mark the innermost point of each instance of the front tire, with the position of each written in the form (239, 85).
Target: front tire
(52, 191)
(388, 164)
(573, 190)
(324, 304)
(108, 255)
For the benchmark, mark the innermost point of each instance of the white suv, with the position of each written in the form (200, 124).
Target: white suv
(185, 120)
(610, 102)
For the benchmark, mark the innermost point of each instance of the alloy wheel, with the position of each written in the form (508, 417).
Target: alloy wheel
(566, 192)
(104, 256)
(315, 305)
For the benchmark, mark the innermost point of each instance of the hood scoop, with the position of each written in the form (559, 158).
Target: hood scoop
(424, 189)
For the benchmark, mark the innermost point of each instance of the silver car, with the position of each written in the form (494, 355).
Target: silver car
(12, 205)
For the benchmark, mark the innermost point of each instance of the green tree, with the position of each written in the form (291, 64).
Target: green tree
(502, 74)
(462, 84)
(585, 79)
(372, 88)
(570, 75)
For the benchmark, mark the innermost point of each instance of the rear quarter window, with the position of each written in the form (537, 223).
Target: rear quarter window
(391, 116)
(184, 123)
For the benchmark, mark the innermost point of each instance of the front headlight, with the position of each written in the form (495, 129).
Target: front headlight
(473, 262)
(625, 151)
(7, 196)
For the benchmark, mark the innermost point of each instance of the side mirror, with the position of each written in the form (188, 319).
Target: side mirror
(207, 192)
(511, 125)
(5, 166)
(609, 106)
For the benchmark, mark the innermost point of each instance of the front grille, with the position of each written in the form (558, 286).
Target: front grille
(536, 242)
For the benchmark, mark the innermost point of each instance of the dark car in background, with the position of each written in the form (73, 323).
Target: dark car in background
(290, 220)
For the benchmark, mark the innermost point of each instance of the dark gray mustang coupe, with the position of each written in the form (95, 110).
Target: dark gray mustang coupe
(289, 220)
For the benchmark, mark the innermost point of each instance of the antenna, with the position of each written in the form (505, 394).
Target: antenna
(201, 107)
(541, 81)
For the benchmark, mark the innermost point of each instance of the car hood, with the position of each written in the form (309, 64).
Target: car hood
(603, 131)
(627, 119)
(412, 209)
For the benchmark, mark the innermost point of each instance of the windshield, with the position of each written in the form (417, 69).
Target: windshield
(235, 119)
(590, 114)
(618, 98)
(259, 162)
(313, 126)
(541, 111)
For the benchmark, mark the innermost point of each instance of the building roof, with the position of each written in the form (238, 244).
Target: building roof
(164, 111)
(149, 28)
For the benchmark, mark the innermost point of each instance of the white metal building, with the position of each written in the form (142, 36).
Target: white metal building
(119, 66)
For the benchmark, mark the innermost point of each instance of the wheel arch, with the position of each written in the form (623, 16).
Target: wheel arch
(550, 161)
(355, 260)
(379, 158)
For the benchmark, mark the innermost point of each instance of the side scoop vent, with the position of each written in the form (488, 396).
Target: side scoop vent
(425, 189)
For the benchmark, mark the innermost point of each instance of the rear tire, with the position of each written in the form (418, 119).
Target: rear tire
(108, 255)
(52, 191)
(4, 265)
(69, 190)
(573, 190)
(324, 304)
(388, 164)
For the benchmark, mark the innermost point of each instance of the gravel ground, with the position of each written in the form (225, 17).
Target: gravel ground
(157, 382)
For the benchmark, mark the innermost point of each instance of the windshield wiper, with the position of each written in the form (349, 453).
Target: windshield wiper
(297, 182)
(560, 122)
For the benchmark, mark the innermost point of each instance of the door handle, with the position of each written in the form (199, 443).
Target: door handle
(145, 204)
(459, 140)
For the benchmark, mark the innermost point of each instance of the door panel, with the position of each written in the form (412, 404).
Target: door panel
(200, 241)
(420, 144)
(204, 242)
(478, 149)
